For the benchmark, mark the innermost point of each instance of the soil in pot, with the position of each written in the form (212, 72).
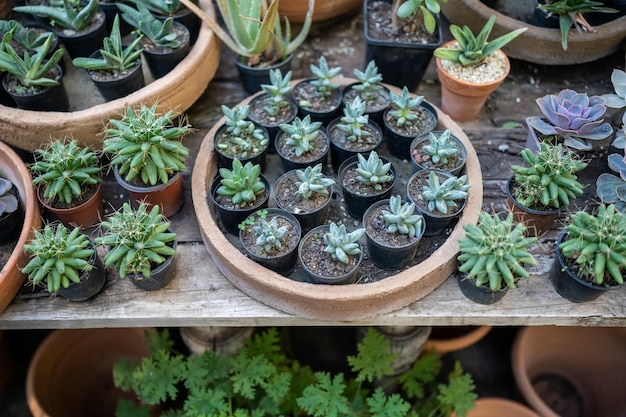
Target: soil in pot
(341, 148)
(399, 138)
(375, 106)
(537, 222)
(113, 86)
(319, 108)
(421, 160)
(85, 42)
(53, 98)
(260, 116)
(290, 161)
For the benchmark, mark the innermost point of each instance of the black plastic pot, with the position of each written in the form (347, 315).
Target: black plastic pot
(324, 116)
(114, 88)
(11, 223)
(161, 62)
(253, 77)
(91, 282)
(482, 294)
(375, 114)
(257, 115)
(461, 156)
(290, 162)
(386, 256)
(340, 152)
(159, 276)
(567, 284)
(226, 161)
(83, 44)
(400, 63)
(356, 204)
(52, 98)
(537, 222)
(5, 97)
(285, 263)
(230, 218)
(187, 18)
(400, 145)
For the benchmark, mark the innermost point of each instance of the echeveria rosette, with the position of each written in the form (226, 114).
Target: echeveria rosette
(617, 100)
(575, 117)
(612, 188)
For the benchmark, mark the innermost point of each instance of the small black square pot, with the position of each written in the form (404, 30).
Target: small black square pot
(253, 77)
(399, 144)
(161, 62)
(290, 161)
(482, 294)
(461, 156)
(159, 276)
(91, 282)
(112, 88)
(52, 98)
(304, 89)
(226, 161)
(339, 152)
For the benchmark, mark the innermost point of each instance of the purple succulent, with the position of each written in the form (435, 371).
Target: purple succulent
(8, 202)
(573, 116)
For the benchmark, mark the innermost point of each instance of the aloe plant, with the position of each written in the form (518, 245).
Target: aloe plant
(30, 38)
(8, 201)
(424, 9)
(373, 171)
(162, 7)
(69, 16)
(401, 218)
(340, 243)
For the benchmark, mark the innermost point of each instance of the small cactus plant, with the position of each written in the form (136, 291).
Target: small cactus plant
(401, 218)
(440, 148)
(8, 201)
(440, 196)
(242, 184)
(242, 138)
(354, 120)
(373, 171)
(494, 251)
(340, 244)
(277, 90)
(313, 181)
(301, 133)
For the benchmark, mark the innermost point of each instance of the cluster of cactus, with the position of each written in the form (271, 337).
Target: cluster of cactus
(440, 196)
(597, 244)
(340, 244)
(401, 218)
(8, 201)
(68, 15)
(354, 120)
(323, 81)
(160, 32)
(269, 234)
(370, 81)
(611, 188)
(244, 138)
(300, 134)
(65, 169)
(58, 257)
(373, 171)
(440, 148)
(574, 117)
(402, 107)
(137, 240)
(242, 184)
(277, 90)
(548, 179)
(494, 251)
(312, 181)
(146, 143)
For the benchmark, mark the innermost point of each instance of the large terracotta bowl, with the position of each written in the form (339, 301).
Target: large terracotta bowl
(13, 168)
(179, 89)
(323, 301)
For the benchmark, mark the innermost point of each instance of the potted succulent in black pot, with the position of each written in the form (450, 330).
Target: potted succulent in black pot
(116, 70)
(493, 253)
(393, 230)
(10, 214)
(365, 181)
(406, 118)
(439, 150)
(401, 36)
(140, 245)
(307, 194)
(330, 254)
(148, 156)
(64, 261)
(302, 143)
(590, 255)
(270, 237)
(163, 9)
(68, 182)
(370, 89)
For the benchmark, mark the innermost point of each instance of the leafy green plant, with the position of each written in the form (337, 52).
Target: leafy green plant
(146, 144)
(71, 15)
(30, 38)
(494, 251)
(313, 181)
(242, 184)
(115, 57)
(370, 81)
(597, 245)
(402, 108)
(162, 7)
(8, 201)
(277, 90)
(29, 70)
(159, 32)
(58, 257)
(548, 179)
(340, 243)
(138, 240)
(571, 14)
(472, 50)
(401, 218)
(243, 139)
(440, 196)
(249, 221)
(373, 171)
(354, 120)
(440, 148)
(426, 9)
(66, 170)
(300, 134)
(262, 378)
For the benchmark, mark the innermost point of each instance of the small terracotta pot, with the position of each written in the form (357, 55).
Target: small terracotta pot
(296, 10)
(461, 100)
(537, 222)
(83, 215)
(496, 407)
(447, 339)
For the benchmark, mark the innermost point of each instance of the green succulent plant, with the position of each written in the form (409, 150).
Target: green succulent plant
(324, 75)
(373, 171)
(494, 252)
(300, 134)
(242, 139)
(617, 100)
(313, 181)
(612, 188)
(146, 144)
(242, 184)
(440, 196)
(472, 50)
(354, 120)
(159, 32)
(58, 257)
(596, 243)
(340, 243)
(401, 218)
(277, 90)
(402, 107)
(548, 179)
(269, 234)
(138, 240)
(66, 170)
(71, 15)
(161, 7)
(440, 148)
(427, 9)
(8, 201)
(30, 38)
(370, 81)
(116, 58)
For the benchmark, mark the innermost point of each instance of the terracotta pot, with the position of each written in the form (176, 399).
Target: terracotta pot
(13, 168)
(497, 407)
(71, 373)
(169, 196)
(587, 364)
(83, 216)
(295, 10)
(447, 339)
(462, 100)
(537, 222)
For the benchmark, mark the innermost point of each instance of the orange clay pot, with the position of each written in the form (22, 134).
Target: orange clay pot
(83, 215)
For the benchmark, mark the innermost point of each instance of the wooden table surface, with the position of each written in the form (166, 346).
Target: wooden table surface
(199, 295)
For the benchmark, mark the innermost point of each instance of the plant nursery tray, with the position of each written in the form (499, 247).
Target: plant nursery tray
(377, 291)
(89, 113)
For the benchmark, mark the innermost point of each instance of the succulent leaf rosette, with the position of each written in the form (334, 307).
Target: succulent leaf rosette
(574, 117)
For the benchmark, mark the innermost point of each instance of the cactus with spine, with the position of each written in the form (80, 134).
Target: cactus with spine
(340, 243)
(373, 171)
(493, 252)
(300, 134)
(401, 218)
(313, 181)
(440, 195)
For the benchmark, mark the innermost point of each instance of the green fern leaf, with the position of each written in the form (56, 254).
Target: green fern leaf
(424, 370)
(458, 395)
(383, 406)
(325, 398)
(156, 377)
(207, 403)
(374, 357)
(249, 373)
